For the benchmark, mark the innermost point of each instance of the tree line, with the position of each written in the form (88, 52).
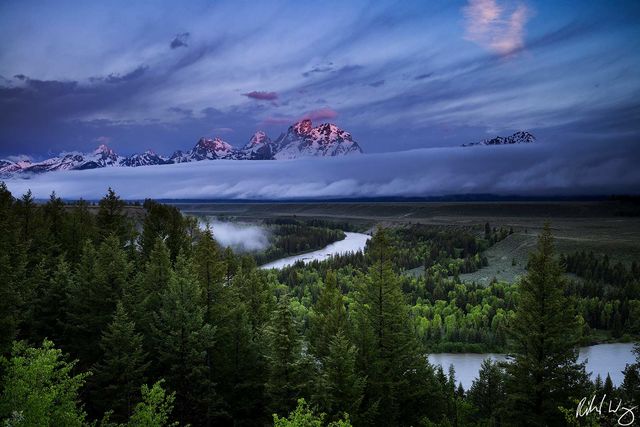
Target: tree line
(108, 320)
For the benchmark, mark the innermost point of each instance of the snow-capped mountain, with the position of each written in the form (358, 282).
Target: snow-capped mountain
(259, 147)
(301, 140)
(211, 149)
(517, 138)
(147, 158)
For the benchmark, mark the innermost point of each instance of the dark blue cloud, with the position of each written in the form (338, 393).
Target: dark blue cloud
(180, 40)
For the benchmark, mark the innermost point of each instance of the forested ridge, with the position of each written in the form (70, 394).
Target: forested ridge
(111, 321)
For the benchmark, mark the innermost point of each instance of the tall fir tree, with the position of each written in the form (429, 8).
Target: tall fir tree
(101, 278)
(341, 388)
(51, 303)
(11, 273)
(181, 339)
(545, 373)
(118, 375)
(111, 219)
(328, 317)
(399, 377)
(284, 357)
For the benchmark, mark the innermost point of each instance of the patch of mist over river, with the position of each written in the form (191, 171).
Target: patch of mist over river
(601, 359)
(239, 236)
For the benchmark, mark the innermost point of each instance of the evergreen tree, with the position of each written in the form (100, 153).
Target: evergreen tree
(80, 331)
(284, 359)
(111, 219)
(328, 317)
(210, 270)
(545, 373)
(78, 228)
(630, 388)
(101, 278)
(217, 304)
(11, 273)
(181, 339)
(50, 304)
(487, 393)
(341, 385)
(399, 377)
(118, 375)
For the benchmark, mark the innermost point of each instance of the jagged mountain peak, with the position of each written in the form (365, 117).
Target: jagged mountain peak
(303, 127)
(520, 137)
(104, 150)
(259, 137)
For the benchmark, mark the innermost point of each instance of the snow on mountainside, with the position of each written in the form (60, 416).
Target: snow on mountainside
(301, 140)
(259, 147)
(517, 138)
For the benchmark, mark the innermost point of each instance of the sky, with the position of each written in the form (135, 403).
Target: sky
(405, 75)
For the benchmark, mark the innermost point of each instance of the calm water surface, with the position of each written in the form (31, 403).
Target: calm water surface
(601, 359)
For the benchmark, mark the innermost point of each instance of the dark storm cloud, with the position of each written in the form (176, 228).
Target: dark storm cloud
(180, 40)
(262, 95)
(117, 78)
(423, 76)
(319, 69)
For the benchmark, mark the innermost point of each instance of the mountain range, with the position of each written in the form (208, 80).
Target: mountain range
(520, 137)
(300, 140)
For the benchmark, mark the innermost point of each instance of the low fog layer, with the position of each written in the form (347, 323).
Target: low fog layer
(531, 169)
(241, 237)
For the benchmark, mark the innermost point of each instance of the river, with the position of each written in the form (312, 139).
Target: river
(601, 359)
(353, 242)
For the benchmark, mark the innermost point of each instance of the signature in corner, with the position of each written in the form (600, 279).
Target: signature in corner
(626, 414)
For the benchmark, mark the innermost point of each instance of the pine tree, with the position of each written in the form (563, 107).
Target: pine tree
(111, 219)
(145, 291)
(400, 378)
(210, 270)
(78, 228)
(10, 273)
(328, 317)
(181, 339)
(284, 359)
(545, 373)
(79, 333)
(341, 385)
(50, 304)
(119, 373)
(487, 393)
(101, 278)
(217, 304)
(254, 290)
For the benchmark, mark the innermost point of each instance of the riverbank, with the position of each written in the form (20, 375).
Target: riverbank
(353, 242)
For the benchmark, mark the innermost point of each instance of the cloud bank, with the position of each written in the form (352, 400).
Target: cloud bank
(532, 169)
